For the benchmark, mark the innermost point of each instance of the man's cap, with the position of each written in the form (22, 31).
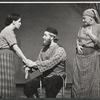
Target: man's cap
(52, 30)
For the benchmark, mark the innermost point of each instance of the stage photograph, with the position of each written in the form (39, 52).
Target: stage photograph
(49, 50)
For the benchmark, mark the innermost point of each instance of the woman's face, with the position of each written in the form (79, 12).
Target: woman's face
(17, 23)
(87, 20)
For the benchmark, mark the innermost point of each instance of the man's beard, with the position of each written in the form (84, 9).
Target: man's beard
(47, 42)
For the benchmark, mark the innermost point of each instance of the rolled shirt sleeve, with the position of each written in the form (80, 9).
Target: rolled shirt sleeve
(98, 36)
(11, 38)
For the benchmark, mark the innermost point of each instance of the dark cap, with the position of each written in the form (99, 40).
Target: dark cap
(52, 30)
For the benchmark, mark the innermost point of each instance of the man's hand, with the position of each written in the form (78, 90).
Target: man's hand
(27, 69)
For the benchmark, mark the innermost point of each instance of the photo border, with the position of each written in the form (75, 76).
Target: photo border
(48, 1)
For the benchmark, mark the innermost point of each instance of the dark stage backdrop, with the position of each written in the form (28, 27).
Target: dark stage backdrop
(36, 17)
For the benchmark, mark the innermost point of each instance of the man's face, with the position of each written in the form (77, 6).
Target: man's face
(87, 20)
(47, 38)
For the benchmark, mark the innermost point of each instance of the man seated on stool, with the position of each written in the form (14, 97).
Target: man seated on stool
(51, 62)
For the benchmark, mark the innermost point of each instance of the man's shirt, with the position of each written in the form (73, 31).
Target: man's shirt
(51, 61)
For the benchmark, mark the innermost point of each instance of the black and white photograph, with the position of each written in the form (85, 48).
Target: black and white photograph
(50, 50)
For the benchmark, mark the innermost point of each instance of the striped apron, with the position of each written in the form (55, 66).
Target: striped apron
(7, 80)
(86, 76)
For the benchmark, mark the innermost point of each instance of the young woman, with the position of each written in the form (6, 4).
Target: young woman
(8, 46)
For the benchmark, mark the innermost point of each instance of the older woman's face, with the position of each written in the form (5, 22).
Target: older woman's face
(86, 20)
(17, 23)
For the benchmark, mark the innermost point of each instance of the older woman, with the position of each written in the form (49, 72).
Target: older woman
(8, 46)
(86, 61)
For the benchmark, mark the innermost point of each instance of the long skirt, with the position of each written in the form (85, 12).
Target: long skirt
(7, 83)
(86, 76)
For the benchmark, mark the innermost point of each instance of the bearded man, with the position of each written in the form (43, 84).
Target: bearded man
(51, 62)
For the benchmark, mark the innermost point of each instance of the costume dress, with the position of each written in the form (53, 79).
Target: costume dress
(86, 66)
(7, 74)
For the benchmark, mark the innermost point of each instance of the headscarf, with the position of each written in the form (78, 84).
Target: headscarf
(92, 13)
